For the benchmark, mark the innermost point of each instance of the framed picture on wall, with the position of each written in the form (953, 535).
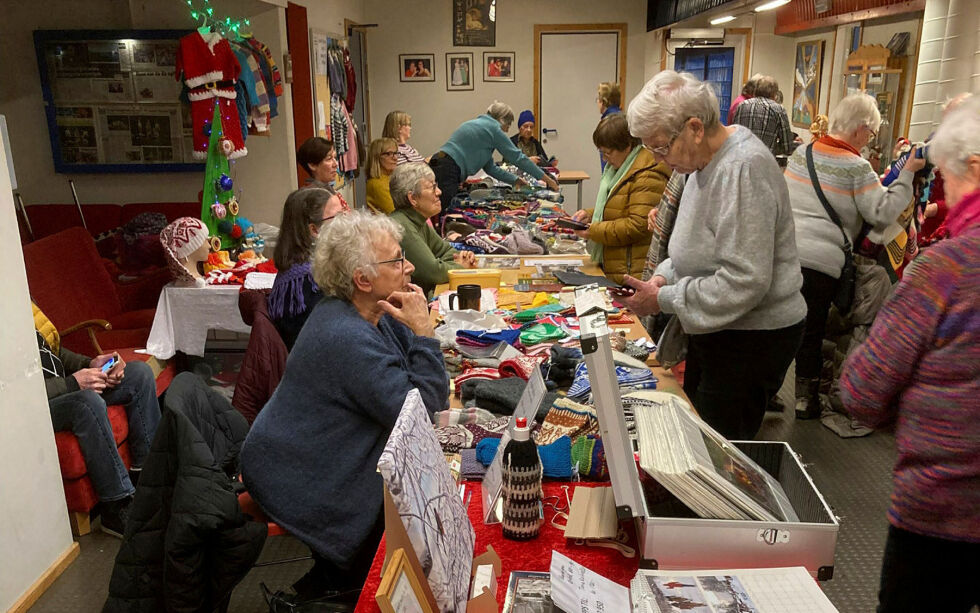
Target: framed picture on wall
(474, 23)
(806, 82)
(498, 65)
(459, 71)
(416, 67)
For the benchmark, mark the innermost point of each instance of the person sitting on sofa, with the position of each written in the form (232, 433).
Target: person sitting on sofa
(79, 392)
(294, 292)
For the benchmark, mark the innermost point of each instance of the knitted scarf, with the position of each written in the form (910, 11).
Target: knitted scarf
(286, 297)
(610, 179)
(964, 214)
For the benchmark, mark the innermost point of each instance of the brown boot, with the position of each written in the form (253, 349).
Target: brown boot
(807, 398)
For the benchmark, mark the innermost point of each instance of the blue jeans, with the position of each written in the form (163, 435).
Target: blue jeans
(84, 413)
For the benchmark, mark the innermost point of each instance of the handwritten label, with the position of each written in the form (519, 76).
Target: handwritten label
(576, 589)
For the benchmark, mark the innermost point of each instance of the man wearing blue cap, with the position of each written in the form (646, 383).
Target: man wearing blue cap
(525, 141)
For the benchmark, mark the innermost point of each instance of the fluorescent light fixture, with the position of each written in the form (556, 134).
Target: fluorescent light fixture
(772, 4)
(720, 20)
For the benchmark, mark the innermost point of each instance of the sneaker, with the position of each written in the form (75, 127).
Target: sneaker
(114, 516)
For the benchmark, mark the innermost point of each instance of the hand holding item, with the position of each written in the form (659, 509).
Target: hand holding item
(466, 259)
(535, 158)
(644, 301)
(112, 365)
(652, 219)
(914, 163)
(580, 215)
(519, 183)
(551, 183)
(90, 379)
(584, 234)
(931, 209)
(411, 308)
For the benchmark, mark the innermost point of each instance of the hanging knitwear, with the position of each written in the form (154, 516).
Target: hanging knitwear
(286, 297)
(521, 485)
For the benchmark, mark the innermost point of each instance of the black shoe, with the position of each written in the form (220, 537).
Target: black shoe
(114, 516)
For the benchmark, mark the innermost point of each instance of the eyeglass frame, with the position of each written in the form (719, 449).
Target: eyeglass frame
(391, 153)
(664, 150)
(400, 260)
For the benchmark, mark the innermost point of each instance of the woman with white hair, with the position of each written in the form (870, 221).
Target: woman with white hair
(415, 195)
(920, 367)
(470, 148)
(310, 459)
(852, 190)
(732, 276)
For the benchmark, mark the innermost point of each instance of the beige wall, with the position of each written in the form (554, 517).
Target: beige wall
(424, 26)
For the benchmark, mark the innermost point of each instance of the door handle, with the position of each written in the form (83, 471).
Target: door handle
(549, 130)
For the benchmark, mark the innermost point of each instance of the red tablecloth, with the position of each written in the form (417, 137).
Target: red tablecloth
(532, 555)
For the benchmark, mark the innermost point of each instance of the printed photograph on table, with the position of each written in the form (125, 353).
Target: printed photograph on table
(417, 67)
(806, 82)
(498, 65)
(400, 590)
(529, 592)
(459, 71)
(474, 23)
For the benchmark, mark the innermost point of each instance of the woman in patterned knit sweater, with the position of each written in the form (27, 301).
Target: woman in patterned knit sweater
(921, 366)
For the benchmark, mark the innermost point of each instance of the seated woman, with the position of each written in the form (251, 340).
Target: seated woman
(310, 459)
(527, 143)
(398, 125)
(294, 292)
(380, 164)
(416, 198)
(631, 186)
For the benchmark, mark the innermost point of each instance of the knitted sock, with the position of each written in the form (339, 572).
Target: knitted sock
(486, 449)
(566, 418)
(588, 453)
(556, 458)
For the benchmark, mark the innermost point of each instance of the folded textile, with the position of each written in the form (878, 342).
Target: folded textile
(556, 458)
(625, 375)
(539, 333)
(588, 454)
(489, 337)
(519, 242)
(486, 450)
(488, 429)
(458, 417)
(486, 374)
(454, 438)
(470, 468)
(501, 397)
(532, 314)
(567, 418)
(518, 366)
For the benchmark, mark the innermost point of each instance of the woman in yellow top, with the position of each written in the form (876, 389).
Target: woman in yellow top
(380, 164)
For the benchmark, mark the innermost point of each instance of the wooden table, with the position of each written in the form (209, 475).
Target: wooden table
(577, 177)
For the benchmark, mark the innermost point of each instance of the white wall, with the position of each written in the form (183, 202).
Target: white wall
(34, 529)
(424, 26)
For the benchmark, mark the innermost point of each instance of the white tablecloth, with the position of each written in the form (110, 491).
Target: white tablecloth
(185, 314)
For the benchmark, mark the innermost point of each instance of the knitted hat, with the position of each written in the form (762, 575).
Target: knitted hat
(525, 117)
(184, 236)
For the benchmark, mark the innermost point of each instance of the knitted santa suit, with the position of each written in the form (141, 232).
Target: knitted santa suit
(210, 69)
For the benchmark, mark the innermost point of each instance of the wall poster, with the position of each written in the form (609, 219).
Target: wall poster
(474, 23)
(806, 85)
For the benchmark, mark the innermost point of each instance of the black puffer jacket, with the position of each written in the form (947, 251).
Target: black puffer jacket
(187, 542)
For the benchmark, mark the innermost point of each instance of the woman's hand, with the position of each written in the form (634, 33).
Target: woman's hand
(411, 308)
(535, 158)
(90, 379)
(652, 219)
(644, 301)
(551, 183)
(582, 233)
(466, 259)
(580, 215)
(914, 164)
(519, 183)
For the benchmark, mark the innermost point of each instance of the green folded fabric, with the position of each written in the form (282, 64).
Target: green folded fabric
(540, 333)
(532, 314)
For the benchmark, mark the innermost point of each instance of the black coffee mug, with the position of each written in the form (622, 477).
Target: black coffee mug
(468, 296)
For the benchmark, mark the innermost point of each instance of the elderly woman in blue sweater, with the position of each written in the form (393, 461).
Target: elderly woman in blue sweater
(310, 459)
(471, 148)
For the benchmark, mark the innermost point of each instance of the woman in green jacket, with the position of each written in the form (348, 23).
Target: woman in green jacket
(631, 185)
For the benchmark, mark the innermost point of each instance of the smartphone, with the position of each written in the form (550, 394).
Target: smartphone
(108, 365)
(568, 222)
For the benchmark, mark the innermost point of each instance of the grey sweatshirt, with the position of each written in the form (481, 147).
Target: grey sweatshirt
(733, 262)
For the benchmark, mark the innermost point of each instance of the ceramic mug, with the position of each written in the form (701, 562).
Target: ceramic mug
(468, 297)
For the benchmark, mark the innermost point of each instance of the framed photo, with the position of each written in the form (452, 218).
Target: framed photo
(474, 23)
(400, 590)
(806, 84)
(417, 67)
(459, 71)
(498, 65)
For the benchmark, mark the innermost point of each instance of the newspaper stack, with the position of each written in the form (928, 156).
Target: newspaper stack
(702, 469)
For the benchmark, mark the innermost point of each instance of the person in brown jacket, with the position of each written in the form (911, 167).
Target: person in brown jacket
(631, 185)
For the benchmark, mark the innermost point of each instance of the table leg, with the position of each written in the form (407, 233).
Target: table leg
(579, 203)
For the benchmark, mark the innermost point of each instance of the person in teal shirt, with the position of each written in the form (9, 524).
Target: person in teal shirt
(471, 148)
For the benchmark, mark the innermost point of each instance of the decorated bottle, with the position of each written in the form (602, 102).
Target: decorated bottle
(521, 485)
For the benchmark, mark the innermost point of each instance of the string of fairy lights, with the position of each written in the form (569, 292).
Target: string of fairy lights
(227, 27)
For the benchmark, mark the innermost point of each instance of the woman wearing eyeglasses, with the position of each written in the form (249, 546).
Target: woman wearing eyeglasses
(416, 198)
(294, 292)
(310, 459)
(852, 189)
(398, 125)
(732, 276)
(381, 162)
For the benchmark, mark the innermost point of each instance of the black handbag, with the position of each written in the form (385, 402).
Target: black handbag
(844, 298)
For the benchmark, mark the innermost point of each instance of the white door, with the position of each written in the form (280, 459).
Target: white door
(572, 66)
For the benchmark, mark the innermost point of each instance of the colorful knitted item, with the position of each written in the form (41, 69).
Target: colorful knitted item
(484, 374)
(471, 469)
(519, 366)
(566, 418)
(532, 314)
(287, 297)
(539, 333)
(486, 450)
(454, 438)
(588, 454)
(488, 337)
(556, 458)
(491, 429)
(458, 417)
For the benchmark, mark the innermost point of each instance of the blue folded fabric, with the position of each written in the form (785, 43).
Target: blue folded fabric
(556, 458)
(490, 336)
(486, 449)
(636, 378)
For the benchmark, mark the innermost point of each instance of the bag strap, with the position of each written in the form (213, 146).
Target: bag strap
(834, 217)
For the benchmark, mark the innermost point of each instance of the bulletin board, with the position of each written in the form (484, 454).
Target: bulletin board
(112, 102)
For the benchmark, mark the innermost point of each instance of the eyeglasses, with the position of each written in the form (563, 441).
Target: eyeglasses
(400, 260)
(389, 153)
(664, 150)
(326, 219)
(874, 134)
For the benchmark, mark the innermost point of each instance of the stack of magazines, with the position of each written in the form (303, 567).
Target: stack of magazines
(702, 469)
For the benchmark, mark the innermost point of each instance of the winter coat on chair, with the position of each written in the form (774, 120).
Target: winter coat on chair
(187, 543)
(265, 357)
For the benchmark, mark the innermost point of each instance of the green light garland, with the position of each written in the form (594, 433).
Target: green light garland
(227, 27)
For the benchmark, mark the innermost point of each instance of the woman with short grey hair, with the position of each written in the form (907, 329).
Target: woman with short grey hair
(732, 277)
(364, 348)
(470, 148)
(859, 201)
(416, 196)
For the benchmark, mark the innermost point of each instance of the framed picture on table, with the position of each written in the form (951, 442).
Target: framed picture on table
(416, 67)
(498, 65)
(400, 590)
(459, 71)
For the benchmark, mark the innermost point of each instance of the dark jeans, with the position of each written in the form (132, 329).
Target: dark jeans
(448, 176)
(326, 577)
(732, 375)
(924, 573)
(818, 291)
(84, 413)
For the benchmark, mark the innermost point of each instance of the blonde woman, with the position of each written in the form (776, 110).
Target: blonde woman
(382, 154)
(398, 125)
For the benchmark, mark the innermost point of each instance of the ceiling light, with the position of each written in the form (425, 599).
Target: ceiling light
(772, 4)
(720, 20)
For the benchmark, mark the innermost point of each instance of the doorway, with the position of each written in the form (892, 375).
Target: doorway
(569, 63)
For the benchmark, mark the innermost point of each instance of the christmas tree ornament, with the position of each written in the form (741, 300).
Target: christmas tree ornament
(233, 206)
(215, 243)
(218, 210)
(236, 232)
(227, 147)
(225, 182)
(225, 226)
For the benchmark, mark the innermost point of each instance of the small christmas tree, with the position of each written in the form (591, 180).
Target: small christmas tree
(219, 208)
